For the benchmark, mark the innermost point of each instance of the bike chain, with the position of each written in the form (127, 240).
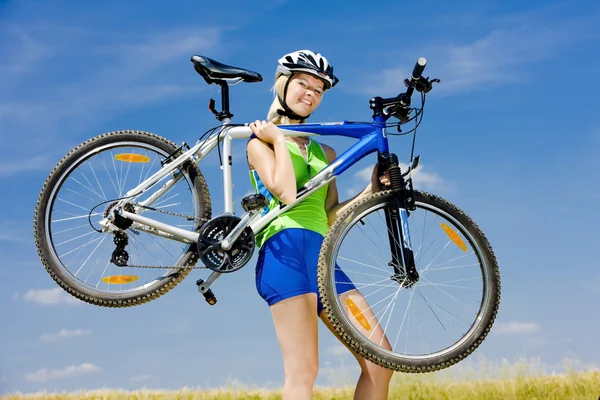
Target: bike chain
(203, 220)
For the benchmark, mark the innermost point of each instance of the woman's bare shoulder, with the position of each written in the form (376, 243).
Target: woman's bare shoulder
(329, 152)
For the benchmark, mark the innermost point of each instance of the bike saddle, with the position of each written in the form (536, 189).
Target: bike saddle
(213, 71)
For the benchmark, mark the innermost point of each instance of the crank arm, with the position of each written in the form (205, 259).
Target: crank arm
(238, 229)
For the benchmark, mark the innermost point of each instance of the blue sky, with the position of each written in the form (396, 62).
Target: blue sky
(510, 136)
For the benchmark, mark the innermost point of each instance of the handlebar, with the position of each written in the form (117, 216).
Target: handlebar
(418, 69)
(399, 105)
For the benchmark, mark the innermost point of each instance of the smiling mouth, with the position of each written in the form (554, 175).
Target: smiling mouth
(306, 102)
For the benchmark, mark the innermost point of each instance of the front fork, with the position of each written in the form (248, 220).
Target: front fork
(396, 218)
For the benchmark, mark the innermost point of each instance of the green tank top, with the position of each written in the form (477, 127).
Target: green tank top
(310, 213)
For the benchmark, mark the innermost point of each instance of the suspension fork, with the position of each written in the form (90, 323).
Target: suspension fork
(396, 218)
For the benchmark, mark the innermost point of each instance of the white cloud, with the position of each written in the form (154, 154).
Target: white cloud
(50, 297)
(64, 334)
(129, 71)
(516, 328)
(15, 231)
(422, 179)
(15, 166)
(496, 58)
(338, 350)
(140, 378)
(46, 374)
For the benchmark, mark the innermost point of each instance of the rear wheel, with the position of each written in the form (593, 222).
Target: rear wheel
(430, 325)
(81, 191)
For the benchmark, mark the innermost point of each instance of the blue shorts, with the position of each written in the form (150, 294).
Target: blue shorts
(287, 267)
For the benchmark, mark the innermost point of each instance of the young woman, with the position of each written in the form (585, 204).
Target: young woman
(286, 272)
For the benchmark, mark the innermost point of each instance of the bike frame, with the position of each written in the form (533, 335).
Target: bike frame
(371, 137)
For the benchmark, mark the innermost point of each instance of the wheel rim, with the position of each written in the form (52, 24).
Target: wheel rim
(101, 174)
(414, 319)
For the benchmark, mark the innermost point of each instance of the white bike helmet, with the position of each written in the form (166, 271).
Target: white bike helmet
(308, 62)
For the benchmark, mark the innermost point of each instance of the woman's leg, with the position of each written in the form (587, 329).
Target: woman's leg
(296, 325)
(374, 381)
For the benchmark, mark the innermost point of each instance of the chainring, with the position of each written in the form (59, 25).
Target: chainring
(209, 245)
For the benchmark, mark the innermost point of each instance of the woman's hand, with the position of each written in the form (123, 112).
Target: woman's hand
(268, 132)
(377, 181)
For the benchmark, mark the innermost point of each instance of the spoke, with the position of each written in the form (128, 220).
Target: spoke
(72, 218)
(390, 233)
(118, 188)
(71, 229)
(108, 173)
(369, 237)
(160, 244)
(79, 194)
(145, 248)
(90, 183)
(456, 280)
(92, 270)
(393, 303)
(377, 231)
(443, 309)
(382, 300)
(423, 333)
(75, 238)
(97, 181)
(91, 254)
(412, 292)
(453, 267)
(90, 189)
(107, 266)
(457, 258)
(73, 204)
(437, 286)
(143, 166)
(431, 308)
(83, 245)
(126, 172)
(360, 263)
(364, 285)
(158, 203)
(425, 235)
(151, 166)
(432, 261)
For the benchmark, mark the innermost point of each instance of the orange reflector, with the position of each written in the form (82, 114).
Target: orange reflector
(454, 236)
(358, 314)
(119, 279)
(132, 158)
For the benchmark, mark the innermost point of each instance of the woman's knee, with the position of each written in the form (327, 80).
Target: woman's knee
(378, 375)
(302, 373)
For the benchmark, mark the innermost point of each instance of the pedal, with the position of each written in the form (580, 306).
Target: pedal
(209, 296)
(254, 202)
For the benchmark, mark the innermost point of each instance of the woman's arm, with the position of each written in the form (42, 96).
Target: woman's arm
(332, 204)
(271, 159)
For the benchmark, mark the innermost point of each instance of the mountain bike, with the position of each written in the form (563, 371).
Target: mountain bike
(125, 217)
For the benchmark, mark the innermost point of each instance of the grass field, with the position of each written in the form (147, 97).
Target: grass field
(580, 386)
(523, 380)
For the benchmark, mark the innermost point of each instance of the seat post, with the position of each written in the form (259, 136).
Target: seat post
(225, 113)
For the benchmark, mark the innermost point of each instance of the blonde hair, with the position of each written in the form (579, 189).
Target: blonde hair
(278, 89)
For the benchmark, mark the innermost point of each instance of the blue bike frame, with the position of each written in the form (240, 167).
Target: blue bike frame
(372, 138)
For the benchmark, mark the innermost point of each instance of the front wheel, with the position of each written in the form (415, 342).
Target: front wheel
(424, 327)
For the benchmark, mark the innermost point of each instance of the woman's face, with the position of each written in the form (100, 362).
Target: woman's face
(304, 93)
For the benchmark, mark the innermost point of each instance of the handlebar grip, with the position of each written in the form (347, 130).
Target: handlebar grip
(419, 67)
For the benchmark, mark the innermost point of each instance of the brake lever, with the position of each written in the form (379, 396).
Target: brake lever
(424, 85)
